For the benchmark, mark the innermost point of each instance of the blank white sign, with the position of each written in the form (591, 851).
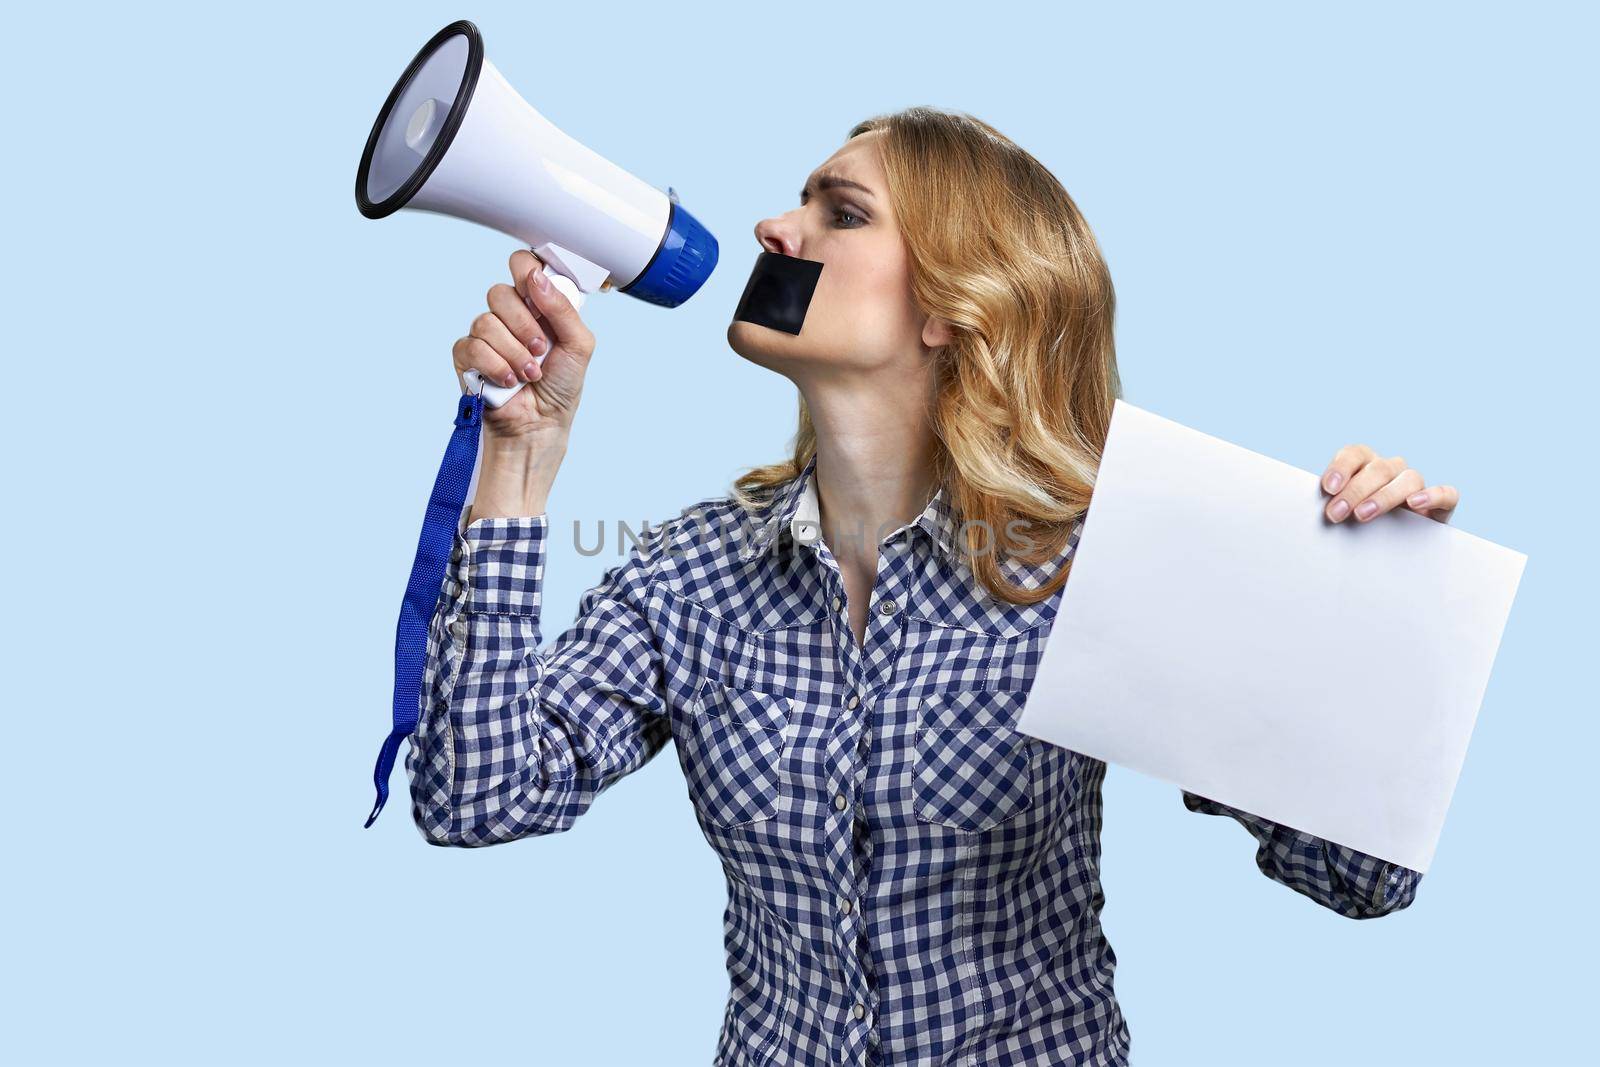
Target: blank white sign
(1217, 632)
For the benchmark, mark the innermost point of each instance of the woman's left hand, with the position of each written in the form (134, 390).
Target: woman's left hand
(1365, 484)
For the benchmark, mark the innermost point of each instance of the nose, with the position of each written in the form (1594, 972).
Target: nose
(778, 235)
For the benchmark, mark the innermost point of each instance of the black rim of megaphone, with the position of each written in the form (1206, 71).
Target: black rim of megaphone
(447, 133)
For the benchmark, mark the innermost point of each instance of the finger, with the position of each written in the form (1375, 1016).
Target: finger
(517, 355)
(474, 353)
(488, 327)
(523, 263)
(1344, 465)
(1389, 496)
(1434, 499)
(560, 316)
(1373, 475)
(522, 324)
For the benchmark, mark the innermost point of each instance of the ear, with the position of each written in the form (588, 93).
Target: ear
(936, 332)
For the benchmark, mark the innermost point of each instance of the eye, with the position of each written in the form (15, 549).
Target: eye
(841, 214)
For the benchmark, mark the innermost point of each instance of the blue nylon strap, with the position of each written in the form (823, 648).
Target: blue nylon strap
(427, 579)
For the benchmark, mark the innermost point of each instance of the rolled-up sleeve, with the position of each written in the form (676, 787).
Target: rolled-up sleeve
(1352, 883)
(512, 740)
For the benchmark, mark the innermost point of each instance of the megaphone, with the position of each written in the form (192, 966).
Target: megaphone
(455, 138)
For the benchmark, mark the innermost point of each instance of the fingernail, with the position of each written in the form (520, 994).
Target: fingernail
(1333, 481)
(1340, 509)
(536, 344)
(1367, 510)
(1417, 500)
(509, 379)
(529, 368)
(541, 279)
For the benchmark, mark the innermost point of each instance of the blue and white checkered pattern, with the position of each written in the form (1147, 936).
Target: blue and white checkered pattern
(912, 880)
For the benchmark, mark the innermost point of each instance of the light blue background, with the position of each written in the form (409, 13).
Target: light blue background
(227, 394)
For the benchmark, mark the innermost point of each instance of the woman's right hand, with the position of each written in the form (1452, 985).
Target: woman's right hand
(525, 321)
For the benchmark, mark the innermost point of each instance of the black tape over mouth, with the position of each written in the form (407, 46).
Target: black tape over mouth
(779, 291)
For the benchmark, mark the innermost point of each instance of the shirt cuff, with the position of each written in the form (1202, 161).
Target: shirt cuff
(1392, 885)
(500, 563)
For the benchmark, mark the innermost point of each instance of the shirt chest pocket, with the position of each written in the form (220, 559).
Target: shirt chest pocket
(972, 770)
(734, 760)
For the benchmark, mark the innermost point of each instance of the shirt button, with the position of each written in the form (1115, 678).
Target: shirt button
(886, 607)
(844, 905)
(861, 1010)
(838, 602)
(853, 701)
(840, 801)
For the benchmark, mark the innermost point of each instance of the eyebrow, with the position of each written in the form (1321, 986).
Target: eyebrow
(829, 180)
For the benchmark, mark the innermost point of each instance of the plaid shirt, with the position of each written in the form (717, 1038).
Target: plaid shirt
(911, 880)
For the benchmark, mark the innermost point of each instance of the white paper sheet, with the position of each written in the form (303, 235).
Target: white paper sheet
(1217, 632)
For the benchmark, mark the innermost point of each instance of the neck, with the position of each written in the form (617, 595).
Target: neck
(875, 460)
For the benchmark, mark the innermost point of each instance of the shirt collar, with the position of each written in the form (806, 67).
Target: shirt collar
(794, 509)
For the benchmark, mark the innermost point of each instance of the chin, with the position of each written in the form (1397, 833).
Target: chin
(758, 344)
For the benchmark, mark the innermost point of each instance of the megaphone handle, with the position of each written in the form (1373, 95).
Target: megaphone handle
(496, 395)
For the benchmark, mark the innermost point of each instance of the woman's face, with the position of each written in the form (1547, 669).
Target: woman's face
(861, 316)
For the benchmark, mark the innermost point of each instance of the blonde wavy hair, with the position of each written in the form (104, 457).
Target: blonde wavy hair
(1024, 391)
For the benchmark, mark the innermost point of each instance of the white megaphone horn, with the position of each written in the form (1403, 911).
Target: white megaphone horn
(455, 138)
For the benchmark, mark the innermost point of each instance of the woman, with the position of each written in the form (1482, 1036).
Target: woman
(839, 661)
